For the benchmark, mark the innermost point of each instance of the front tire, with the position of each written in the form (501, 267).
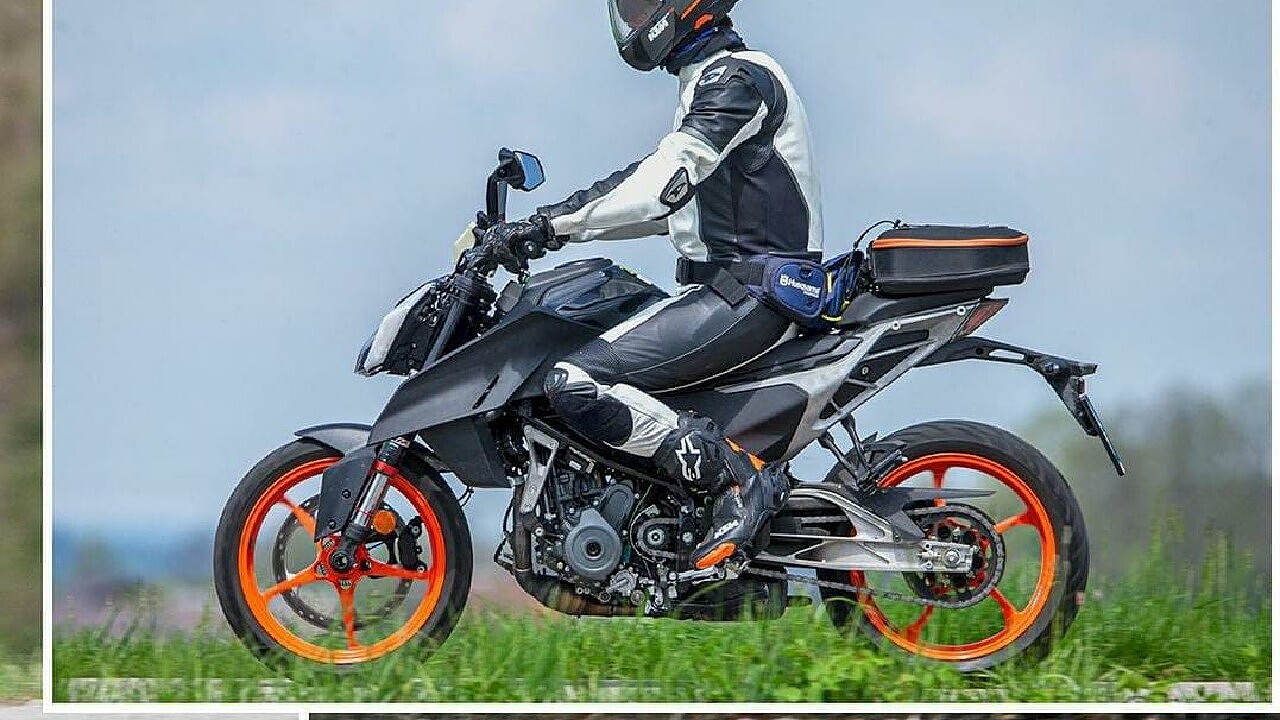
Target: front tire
(1057, 580)
(254, 603)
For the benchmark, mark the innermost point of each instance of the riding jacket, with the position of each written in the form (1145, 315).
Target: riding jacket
(734, 179)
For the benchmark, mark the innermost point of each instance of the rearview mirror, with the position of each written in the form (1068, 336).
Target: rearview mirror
(520, 170)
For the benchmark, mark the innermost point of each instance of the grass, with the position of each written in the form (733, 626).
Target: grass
(1141, 632)
(20, 679)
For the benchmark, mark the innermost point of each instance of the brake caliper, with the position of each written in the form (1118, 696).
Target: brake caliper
(408, 550)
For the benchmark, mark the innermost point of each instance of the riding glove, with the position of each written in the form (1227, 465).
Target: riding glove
(516, 243)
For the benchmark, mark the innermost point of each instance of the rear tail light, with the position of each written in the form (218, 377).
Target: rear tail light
(980, 314)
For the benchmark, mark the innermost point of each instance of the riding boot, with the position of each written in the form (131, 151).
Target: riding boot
(741, 510)
(697, 455)
(693, 454)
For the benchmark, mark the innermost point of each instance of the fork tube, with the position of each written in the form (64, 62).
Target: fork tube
(357, 530)
(376, 489)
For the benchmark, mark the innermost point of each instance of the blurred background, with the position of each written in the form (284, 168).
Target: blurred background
(244, 188)
(20, 327)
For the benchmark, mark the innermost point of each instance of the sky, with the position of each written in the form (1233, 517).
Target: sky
(242, 189)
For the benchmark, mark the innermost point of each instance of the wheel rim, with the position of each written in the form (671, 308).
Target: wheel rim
(258, 599)
(1015, 621)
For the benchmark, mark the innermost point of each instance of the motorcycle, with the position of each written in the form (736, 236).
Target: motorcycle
(952, 541)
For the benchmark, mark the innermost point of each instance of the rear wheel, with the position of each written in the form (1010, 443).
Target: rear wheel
(1038, 520)
(282, 597)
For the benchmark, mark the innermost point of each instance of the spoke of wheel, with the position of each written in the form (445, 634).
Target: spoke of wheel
(1024, 519)
(307, 522)
(912, 631)
(1007, 610)
(347, 597)
(382, 569)
(939, 477)
(302, 578)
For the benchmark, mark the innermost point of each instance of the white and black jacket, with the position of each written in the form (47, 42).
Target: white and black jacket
(735, 178)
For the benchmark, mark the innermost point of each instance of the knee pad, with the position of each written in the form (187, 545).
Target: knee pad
(566, 380)
(580, 401)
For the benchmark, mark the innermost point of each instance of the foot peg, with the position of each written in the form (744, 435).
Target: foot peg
(722, 552)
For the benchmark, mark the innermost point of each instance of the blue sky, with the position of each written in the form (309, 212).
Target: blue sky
(241, 189)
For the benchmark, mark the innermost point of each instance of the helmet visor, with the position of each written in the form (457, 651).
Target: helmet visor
(631, 15)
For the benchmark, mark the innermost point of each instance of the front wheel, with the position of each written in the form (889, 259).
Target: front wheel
(1037, 517)
(282, 597)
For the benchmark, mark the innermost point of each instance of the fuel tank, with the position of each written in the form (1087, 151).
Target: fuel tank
(594, 292)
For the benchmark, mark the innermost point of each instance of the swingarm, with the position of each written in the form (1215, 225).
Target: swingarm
(882, 536)
(1065, 376)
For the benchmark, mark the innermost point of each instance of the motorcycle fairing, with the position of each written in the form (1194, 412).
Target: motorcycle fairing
(545, 318)
(480, 376)
(774, 406)
(469, 450)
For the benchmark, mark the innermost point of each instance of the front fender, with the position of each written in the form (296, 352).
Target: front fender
(346, 438)
(342, 483)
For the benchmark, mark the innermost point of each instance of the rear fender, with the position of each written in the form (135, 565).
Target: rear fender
(1065, 376)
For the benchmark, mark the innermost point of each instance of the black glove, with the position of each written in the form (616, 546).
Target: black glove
(514, 244)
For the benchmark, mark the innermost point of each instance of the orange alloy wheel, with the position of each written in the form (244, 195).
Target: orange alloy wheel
(1016, 621)
(258, 600)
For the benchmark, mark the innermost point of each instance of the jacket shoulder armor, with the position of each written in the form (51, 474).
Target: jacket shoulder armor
(727, 96)
(730, 68)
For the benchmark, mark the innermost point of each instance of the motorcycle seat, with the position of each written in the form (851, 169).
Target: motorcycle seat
(867, 308)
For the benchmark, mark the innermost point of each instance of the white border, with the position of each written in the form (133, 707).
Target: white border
(623, 709)
(46, 346)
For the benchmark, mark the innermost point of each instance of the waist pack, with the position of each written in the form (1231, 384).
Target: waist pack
(795, 288)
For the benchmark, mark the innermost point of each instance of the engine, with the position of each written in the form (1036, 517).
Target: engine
(609, 538)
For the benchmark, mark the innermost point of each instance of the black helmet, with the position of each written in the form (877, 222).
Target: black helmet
(648, 31)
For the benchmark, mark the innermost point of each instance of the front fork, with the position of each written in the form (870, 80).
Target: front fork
(360, 526)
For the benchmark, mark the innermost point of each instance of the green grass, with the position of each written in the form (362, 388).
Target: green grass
(1141, 632)
(20, 679)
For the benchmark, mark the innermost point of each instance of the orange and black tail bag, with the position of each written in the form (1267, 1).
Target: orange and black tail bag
(926, 259)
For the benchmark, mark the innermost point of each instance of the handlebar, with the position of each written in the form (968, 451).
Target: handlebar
(482, 261)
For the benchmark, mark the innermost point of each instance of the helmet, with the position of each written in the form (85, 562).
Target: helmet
(647, 31)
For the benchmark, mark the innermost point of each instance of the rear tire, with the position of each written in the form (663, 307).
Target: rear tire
(988, 447)
(264, 637)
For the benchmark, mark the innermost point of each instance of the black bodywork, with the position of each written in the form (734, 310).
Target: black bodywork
(452, 404)
(544, 319)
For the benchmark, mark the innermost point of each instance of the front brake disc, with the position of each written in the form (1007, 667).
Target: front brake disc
(303, 609)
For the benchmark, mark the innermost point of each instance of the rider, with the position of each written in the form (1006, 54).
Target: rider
(734, 180)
